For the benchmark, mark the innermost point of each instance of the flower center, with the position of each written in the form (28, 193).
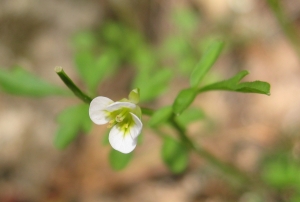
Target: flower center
(120, 117)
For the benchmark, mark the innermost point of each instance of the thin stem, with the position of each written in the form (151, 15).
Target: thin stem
(229, 169)
(70, 84)
(147, 111)
(181, 131)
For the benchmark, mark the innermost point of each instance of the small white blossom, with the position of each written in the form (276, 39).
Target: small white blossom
(123, 118)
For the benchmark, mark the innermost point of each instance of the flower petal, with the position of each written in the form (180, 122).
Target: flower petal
(96, 112)
(120, 141)
(118, 105)
(136, 129)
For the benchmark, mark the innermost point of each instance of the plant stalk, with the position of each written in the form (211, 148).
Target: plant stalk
(225, 167)
(70, 84)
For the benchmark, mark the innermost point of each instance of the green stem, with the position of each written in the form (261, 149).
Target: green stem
(147, 111)
(229, 169)
(70, 84)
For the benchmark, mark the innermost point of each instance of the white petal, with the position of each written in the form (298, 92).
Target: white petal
(121, 142)
(118, 105)
(136, 129)
(96, 112)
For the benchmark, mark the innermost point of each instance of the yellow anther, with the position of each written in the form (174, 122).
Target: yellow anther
(111, 123)
(126, 125)
(120, 117)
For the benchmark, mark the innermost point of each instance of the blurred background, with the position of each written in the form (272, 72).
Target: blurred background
(154, 45)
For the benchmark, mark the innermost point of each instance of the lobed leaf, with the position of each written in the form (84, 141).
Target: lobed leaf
(118, 160)
(233, 84)
(20, 82)
(175, 155)
(206, 62)
(184, 99)
(71, 121)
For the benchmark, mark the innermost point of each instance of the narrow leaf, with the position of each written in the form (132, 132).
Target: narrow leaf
(183, 100)
(160, 116)
(71, 121)
(20, 82)
(118, 160)
(175, 155)
(206, 62)
(233, 84)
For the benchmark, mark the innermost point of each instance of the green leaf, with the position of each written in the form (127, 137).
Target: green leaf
(84, 62)
(153, 85)
(233, 84)
(190, 115)
(282, 171)
(186, 64)
(175, 155)
(113, 32)
(160, 116)
(20, 82)
(144, 59)
(71, 121)
(118, 160)
(184, 99)
(84, 40)
(206, 62)
(93, 69)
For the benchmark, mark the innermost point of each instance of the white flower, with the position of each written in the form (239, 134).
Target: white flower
(124, 118)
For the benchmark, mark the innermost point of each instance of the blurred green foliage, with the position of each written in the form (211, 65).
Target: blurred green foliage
(71, 121)
(161, 116)
(21, 82)
(174, 154)
(281, 171)
(118, 160)
(189, 116)
(99, 55)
